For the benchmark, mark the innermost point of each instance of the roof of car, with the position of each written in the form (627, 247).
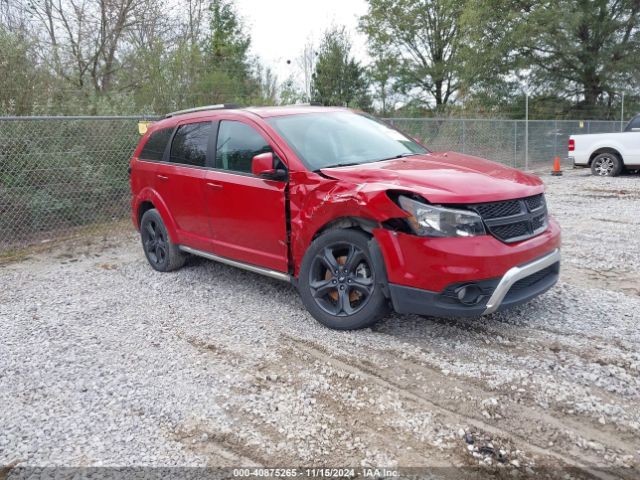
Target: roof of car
(263, 112)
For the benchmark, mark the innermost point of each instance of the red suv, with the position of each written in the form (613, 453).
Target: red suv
(355, 214)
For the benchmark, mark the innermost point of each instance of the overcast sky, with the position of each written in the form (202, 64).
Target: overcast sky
(280, 28)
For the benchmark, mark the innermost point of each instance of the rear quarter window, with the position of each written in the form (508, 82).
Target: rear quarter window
(156, 145)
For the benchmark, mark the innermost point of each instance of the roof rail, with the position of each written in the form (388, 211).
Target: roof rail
(307, 104)
(221, 106)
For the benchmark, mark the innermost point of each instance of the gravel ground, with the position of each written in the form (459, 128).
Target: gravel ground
(105, 362)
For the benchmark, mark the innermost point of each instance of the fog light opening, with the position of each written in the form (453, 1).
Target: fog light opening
(469, 294)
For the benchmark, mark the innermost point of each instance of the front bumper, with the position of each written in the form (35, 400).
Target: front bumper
(518, 285)
(434, 263)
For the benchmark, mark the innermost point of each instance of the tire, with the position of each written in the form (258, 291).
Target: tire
(162, 254)
(351, 299)
(606, 165)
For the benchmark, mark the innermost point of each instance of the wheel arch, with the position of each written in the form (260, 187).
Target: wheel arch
(605, 150)
(143, 208)
(360, 223)
(365, 225)
(148, 199)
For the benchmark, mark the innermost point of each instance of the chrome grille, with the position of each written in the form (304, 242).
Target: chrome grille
(514, 220)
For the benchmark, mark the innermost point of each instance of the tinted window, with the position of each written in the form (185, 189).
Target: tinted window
(189, 145)
(238, 143)
(155, 146)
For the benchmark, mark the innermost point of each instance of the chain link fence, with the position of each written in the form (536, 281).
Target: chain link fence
(525, 145)
(59, 175)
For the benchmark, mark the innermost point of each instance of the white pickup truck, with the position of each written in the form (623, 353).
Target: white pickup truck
(608, 153)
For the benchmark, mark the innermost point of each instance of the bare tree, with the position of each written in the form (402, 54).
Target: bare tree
(151, 25)
(85, 36)
(13, 16)
(306, 62)
(196, 14)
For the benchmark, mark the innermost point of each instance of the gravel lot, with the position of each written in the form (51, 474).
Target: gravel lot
(104, 362)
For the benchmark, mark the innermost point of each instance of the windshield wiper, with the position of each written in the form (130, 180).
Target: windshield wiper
(349, 164)
(402, 155)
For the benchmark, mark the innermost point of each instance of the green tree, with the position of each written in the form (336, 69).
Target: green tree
(338, 79)
(21, 82)
(424, 37)
(229, 74)
(167, 77)
(585, 48)
(382, 74)
(290, 93)
(228, 44)
(487, 58)
(580, 52)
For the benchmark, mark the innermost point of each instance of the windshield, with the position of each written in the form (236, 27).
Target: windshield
(323, 140)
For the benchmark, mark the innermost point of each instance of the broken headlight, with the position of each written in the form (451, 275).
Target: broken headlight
(432, 221)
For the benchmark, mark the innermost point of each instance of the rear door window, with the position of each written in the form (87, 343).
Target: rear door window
(238, 143)
(156, 145)
(190, 144)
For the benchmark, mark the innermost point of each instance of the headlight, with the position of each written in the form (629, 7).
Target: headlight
(431, 221)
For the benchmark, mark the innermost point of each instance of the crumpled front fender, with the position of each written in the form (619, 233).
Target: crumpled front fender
(317, 201)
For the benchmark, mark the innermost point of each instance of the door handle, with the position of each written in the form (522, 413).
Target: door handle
(163, 177)
(215, 186)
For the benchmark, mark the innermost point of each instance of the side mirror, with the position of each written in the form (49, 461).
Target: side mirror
(263, 166)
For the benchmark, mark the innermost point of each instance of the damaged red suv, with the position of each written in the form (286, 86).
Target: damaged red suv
(358, 216)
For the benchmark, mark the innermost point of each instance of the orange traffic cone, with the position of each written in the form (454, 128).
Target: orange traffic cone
(556, 167)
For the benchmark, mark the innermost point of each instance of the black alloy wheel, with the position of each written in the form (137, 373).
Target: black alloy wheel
(162, 254)
(341, 279)
(155, 243)
(340, 283)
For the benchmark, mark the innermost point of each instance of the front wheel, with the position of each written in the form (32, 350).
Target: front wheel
(339, 283)
(606, 165)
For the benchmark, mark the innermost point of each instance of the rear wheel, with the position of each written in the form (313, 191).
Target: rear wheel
(606, 165)
(338, 281)
(163, 255)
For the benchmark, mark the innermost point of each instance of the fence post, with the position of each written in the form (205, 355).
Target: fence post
(526, 133)
(463, 137)
(555, 138)
(622, 114)
(515, 143)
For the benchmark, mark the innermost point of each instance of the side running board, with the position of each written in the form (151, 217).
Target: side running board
(285, 277)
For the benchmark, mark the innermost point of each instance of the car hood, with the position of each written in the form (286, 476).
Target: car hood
(443, 177)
